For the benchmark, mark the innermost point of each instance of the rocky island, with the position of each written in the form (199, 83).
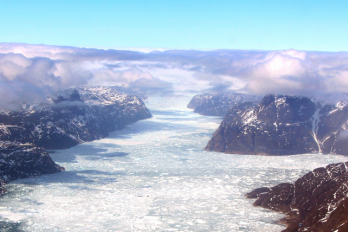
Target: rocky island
(283, 125)
(315, 202)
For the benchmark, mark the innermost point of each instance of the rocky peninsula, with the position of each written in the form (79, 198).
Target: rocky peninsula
(315, 202)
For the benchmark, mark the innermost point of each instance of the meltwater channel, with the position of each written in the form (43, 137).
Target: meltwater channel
(153, 176)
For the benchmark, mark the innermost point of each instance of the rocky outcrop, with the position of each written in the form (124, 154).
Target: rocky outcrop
(316, 202)
(19, 161)
(72, 117)
(283, 125)
(219, 104)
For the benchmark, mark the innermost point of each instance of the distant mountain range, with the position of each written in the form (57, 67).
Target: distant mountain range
(218, 104)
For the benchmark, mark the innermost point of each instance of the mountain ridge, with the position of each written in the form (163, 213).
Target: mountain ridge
(72, 117)
(283, 125)
(218, 104)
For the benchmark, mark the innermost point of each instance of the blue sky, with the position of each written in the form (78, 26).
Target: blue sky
(219, 24)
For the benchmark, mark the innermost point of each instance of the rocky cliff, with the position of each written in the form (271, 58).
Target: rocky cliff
(219, 104)
(19, 161)
(283, 125)
(73, 116)
(316, 202)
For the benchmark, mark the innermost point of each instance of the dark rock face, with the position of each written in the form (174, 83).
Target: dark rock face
(283, 125)
(72, 117)
(19, 161)
(219, 104)
(317, 201)
(68, 95)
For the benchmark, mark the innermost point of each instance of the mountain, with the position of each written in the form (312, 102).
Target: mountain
(218, 104)
(19, 161)
(318, 201)
(72, 117)
(283, 125)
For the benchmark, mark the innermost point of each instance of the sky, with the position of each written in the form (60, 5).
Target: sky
(168, 46)
(181, 24)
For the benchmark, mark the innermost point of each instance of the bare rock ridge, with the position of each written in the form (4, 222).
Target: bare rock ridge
(19, 161)
(283, 125)
(72, 117)
(218, 104)
(318, 201)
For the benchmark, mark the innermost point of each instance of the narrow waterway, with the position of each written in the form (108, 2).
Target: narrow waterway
(153, 176)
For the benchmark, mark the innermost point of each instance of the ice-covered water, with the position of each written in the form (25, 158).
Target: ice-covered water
(153, 176)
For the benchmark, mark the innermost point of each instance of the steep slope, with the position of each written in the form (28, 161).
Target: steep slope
(219, 104)
(19, 161)
(318, 201)
(73, 116)
(284, 125)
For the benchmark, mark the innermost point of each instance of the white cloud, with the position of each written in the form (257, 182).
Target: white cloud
(33, 50)
(43, 69)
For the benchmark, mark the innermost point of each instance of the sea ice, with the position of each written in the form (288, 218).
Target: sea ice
(153, 176)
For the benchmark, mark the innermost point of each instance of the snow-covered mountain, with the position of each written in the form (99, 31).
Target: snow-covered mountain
(218, 104)
(284, 125)
(72, 117)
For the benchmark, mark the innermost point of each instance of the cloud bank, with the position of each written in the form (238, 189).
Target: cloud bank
(32, 72)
